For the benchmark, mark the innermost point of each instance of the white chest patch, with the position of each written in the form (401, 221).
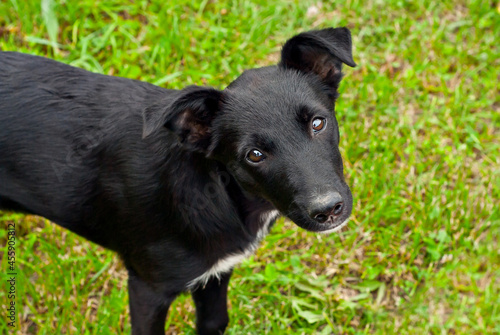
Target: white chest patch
(226, 263)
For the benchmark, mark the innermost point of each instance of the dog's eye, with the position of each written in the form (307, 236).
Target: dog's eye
(318, 124)
(255, 156)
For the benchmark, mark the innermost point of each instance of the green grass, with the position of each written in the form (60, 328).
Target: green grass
(419, 121)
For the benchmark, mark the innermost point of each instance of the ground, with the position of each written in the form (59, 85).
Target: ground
(419, 121)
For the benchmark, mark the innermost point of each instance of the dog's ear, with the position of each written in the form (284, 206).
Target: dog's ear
(189, 115)
(321, 52)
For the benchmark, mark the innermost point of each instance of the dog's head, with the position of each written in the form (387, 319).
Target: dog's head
(275, 129)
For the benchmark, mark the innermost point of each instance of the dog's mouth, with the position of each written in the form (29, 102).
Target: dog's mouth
(334, 227)
(330, 225)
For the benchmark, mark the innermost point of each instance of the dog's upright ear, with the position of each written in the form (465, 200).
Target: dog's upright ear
(321, 52)
(189, 116)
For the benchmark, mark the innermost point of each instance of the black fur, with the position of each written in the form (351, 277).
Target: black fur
(161, 176)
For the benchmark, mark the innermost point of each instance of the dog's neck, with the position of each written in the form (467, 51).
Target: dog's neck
(250, 208)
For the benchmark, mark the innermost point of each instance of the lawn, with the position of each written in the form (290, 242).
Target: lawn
(419, 121)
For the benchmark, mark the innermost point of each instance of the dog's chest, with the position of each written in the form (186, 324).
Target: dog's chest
(226, 263)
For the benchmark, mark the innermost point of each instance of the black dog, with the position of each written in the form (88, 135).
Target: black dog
(182, 184)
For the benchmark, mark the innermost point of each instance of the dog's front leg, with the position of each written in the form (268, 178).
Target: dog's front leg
(211, 306)
(148, 308)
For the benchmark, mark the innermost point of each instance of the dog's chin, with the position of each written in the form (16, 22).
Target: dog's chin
(323, 228)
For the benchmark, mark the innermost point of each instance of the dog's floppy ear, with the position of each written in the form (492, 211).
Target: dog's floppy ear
(189, 116)
(321, 52)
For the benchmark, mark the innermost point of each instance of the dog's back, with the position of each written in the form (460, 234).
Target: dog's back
(56, 121)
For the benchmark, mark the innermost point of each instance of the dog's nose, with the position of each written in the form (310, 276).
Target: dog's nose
(327, 208)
